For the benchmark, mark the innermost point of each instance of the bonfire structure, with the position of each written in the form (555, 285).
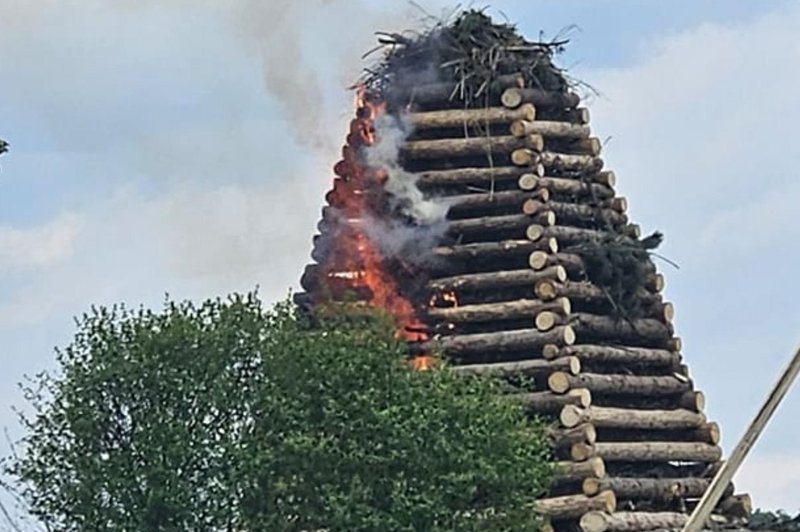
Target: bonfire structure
(471, 202)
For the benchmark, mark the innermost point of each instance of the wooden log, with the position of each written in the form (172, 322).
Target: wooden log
(493, 280)
(693, 400)
(740, 506)
(466, 147)
(456, 118)
(580, 115)
(585, 433)
(494, 224)
(571, 262)
(470, 203)
(486, 250)
(514, 97)
(574, 506)
(560, 382)
(581, 451)
(585, 146)
(655, 489)
(708, 433)
(428, 94)
(549, 129)
(503, 341)
(569, 162)
(550, 403)
(506, 310)
(571, 236)
(577, 471)
(628, 418)
(634, 330)
(522, 367)
(476, 176)
(631, 521)
(586, 292)
(657, 451)
(565, 186)
(572, 213)
(603, 354)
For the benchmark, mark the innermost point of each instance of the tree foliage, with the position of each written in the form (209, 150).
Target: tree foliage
(226, 417)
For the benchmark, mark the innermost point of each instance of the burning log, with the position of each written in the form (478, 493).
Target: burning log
(560, 382)
(455, 118)
(486, 250)
(632, 521)
(547, 129)
(492, 225)
(658, 452)
(494, 280)
(602, 354)
(509, 310)
(522, 367)
(575, 213)
(467, 147)
(479, 176)
(627, 418)
(574, 506)
(565, 186)
(514, 97)
(472, 203)
(502, 341)
(657, 489)
(550, 403)
(577, 471)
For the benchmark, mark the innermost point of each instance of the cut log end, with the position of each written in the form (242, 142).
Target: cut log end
(571, 416)
(558, 382)
(534, 232)
(511, 98)
(528, 181)
(581, 451)
(532, 206)
(523, 157)
(550, 351)
(538, 260)
(546, 290)
(594, 522)
(547, 320)
(527, 112)
(620, 205)
(607, 177)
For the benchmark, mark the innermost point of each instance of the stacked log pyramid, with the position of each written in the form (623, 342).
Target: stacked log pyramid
(635, 449)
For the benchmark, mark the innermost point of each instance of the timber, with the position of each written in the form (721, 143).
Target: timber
(548, 129)
(584, 433)
(565, 186)
(550, 403)
(658, 489)
(577, 471)
(470, 203)
(658, 452)
(572, 213)
(487, 225)
(633, 330)
(574, 506)
(602, 354)
(514, 97)
(466, 147)
(560, 382)
(470, 176)
(587, 292)
(454, 118)
(585, 146)
(569, 162)
(508, 310)
(502, 341)
(466, 252)
(694, 401)
(493, 280)
(628, 418)
(631, 521)
(522, 367)
(571, 262)
(445, 93)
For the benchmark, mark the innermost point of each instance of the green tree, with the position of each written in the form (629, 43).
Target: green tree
(226, 417)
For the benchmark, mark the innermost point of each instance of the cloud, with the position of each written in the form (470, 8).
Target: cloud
(38, 247)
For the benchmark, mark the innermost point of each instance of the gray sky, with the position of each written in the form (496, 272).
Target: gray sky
(185, 147)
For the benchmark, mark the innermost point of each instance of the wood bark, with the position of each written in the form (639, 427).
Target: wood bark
(514, 97)
(627, 418)
(736, 506)
(631, 521)
(493, 224)
(456, 118)
(569, 162)
(487, 250)
(549, 129)
(584, 433)
(550, 403)
(602, 354)
(503, 341)
(658, 452)
(508, 310)
(466, 147)
(443, 93)
(583, 146)
(573, 506)
(565, 186)
(560, 382)
(572, 213)
(587, 292)
(570, 471)
(571, 262)
(493, 280)
(656, 489)
(522, 367)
